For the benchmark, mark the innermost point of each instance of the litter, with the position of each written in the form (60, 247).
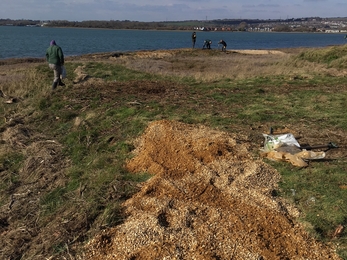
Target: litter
(286, 148)
(63, 72)
(275, 141)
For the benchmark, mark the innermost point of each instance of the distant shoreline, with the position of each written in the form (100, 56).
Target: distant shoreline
(101, 55)
(180, 30)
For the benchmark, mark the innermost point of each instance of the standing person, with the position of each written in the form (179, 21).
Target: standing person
(55, 59)
(224, 45)
(193, 39)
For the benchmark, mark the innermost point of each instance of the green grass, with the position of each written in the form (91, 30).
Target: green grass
(110, 72)
(53, 200)
(318, 195)
(11, 163)
(333, 56)
(99, 146)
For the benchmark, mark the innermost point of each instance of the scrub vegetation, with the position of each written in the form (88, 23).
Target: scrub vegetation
(62, 153)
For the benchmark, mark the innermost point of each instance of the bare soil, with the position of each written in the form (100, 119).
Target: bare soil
(209, 198)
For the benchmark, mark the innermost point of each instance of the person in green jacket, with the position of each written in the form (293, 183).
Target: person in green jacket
(55, 59)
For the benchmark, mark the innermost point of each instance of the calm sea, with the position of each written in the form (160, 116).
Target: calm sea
(18, 42)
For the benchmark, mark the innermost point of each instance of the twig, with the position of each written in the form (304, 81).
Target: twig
(11, 202)
(68, 252)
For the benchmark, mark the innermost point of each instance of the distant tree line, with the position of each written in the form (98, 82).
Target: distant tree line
(22, 22)
(126, 24)
(279, 25)
(110, 24)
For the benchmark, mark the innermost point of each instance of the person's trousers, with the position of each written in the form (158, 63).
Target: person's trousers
(57, 71)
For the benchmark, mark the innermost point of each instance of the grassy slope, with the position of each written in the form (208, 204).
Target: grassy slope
(96, 121)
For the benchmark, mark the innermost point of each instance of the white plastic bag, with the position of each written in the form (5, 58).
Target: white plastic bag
(63, 72)
(274, 141)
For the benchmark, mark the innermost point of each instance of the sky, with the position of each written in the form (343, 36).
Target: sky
(169, 10)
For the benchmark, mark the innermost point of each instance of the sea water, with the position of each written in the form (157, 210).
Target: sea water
(19, 42)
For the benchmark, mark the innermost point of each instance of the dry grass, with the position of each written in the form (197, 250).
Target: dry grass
(21, 82)
(232, 65)
(217, 65)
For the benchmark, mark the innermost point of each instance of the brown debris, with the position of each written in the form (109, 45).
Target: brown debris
(338, 231)
(208, 199)
(80, 75)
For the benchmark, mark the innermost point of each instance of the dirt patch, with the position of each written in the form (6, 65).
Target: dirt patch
(208, 199)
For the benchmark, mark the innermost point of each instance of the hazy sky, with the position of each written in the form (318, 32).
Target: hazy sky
(169, 10)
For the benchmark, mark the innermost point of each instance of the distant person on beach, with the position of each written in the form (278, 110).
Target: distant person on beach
(55, 59)
(224, 45)
(193, 39)
(207, 44)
